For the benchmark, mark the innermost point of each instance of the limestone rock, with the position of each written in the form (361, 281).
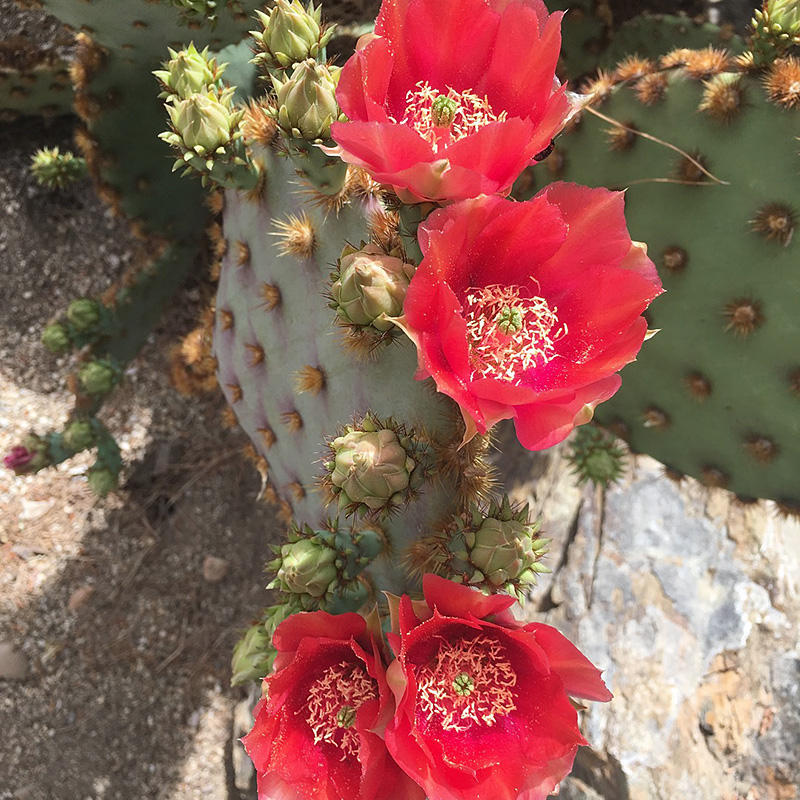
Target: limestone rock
(691, 604)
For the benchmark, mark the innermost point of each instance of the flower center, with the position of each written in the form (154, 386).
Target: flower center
(333, 700)
(509, 334)
(469, 683)
(442, 119)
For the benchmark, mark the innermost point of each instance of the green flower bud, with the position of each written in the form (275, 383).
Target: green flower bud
(372, 469)
(84, 315)
(78, 435)
(204, 122)
(307, 101)
(102, 480)
(252, 656)
(370, 287)
(56, 339)
(57, 170)
(502, 549)
(307, 567)
(97, 377)
(783, 17)
(189, 72)
(291, 33)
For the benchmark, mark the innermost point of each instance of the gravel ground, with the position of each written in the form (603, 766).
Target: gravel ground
(117, 683)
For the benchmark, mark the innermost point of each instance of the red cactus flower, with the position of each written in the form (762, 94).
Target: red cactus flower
(315, 736)
(19, 459)
(527, 310)
(483, 706)
(450, 100)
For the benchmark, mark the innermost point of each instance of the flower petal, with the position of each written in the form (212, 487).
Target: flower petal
(580, 677)
(455, 600)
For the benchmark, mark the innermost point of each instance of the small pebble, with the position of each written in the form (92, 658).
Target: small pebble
(214, 569)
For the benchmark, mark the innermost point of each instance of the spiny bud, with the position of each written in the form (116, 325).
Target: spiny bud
(369, 287)
(503, 551)
(252, 656)
(31, 456)
(189, 72)
(371, 469)
(290, 33)
(595, 456)
(84, 315)
(78, 435)
(306, 101)
(498, 547)
(205, 122)
(97, 377)
(102, 480)
(55, 169)
(783, 18)
(307, 567)
(775, 30)
(56, 339)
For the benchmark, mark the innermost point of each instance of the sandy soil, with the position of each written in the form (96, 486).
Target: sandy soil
(123, 642)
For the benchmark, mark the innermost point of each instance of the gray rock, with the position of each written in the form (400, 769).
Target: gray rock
(691, 607)
(13, 664)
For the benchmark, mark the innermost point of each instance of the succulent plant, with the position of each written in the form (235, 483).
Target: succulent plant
(717, 396)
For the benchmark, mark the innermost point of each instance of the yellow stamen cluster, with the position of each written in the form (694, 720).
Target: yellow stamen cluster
(470, 683)
(333, 701)
(442, 119)
(502, 350)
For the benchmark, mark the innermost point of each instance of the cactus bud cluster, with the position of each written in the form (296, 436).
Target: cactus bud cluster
(30, 456)
(78, 435)
(84, 315)
(775, 30)
(252, 655)
(498, 548)
(189, 72)
(369, 287)
(290, 33)
(55, 169)
(205, 121)
(596, 456)
(372, 467)
(98, 377)
(321, 568)
(306, 101)
(56, 338)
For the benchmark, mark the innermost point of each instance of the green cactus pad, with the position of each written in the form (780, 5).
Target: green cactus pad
(716, 394)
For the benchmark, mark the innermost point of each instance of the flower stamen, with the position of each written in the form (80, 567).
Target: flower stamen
(333, 700)
(442, 119)
(468, 683)
(509, 334)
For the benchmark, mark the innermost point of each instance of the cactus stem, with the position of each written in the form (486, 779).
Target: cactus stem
(794, 382)
(655, 418)
(296, 236)
(292, 420)
(227, 319)
(675, 258)
(698, 385)
(723, 98)
(714, 477)
(297, 491)
(762, 448)
(633, 68)
(621, 137)
(309, 379)
(256, 354)
(242, 254)
(776, 221)
(270, 296)
(782, 82)
(651, 88)
(744, 316)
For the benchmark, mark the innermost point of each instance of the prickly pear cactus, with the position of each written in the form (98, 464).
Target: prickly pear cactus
(329, 403)
(707, 146)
